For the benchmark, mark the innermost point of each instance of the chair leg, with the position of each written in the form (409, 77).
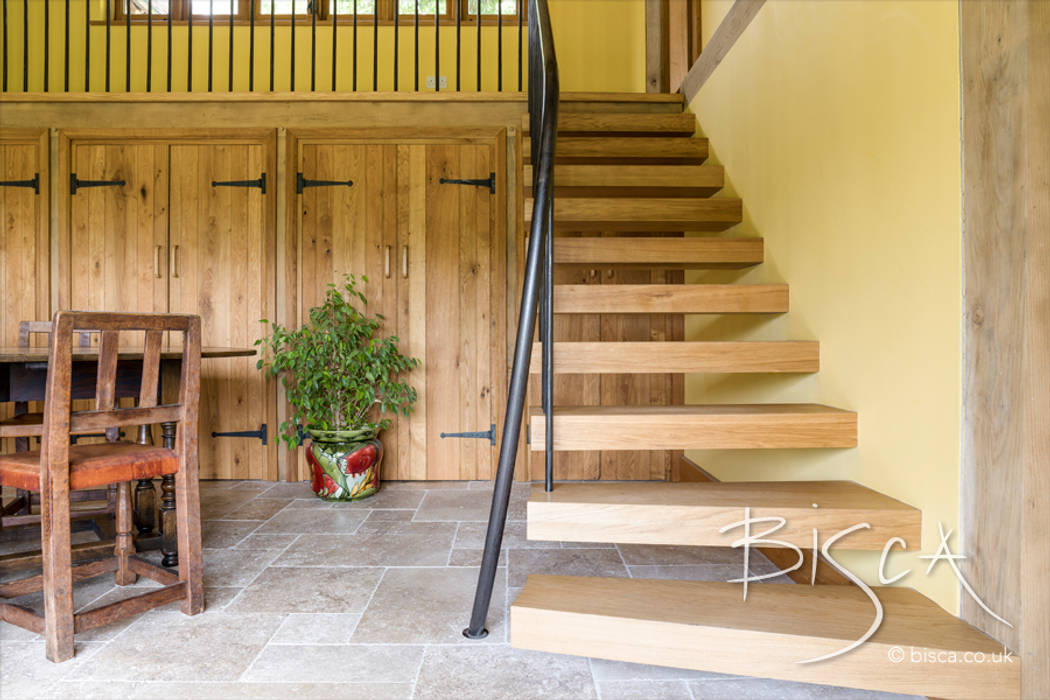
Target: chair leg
(57, 573)
(188, 521)
(125, 542)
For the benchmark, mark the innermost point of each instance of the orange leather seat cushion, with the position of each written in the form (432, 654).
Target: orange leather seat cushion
(92, 465)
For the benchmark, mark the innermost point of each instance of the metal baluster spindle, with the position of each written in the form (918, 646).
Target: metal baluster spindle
(355, 47)
(313, 47)
(7, 44)
(335, 40)
(499, 45)
(292, 56)
(415, 53)
(168, 60)
(479, 44)
(230, 80)
(521, 20)
(211, 40)
(375, 49)
(149, 45)
(273, 37)
(108, 41)
(459, 23)
(47, 39)
(437, 47)
(25, 44)
(65, 55)
(189, 51)
(251, 47)
(127, 46)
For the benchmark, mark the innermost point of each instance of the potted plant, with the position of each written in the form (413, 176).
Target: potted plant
(340, 380)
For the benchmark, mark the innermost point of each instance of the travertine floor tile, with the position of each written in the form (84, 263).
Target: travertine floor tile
(454, 505)
(259, 508)
(302, 663)
(765, 689)
(173, 647)
(309, 590)
(316, 628)
(643, 690)
(688, 572)
(428, 605)
(412, 544)
(646, 554)
(338, 520)
(220, 534)
(484, 672)
(568, 562)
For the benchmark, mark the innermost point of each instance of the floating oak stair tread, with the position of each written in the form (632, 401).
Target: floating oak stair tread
(670, 298)
(636, 150)
(660, 357)
(708, 626)
(643, 213)
(633, 180)
(677, 253)
(627, 124)
(701, 427)
(665, 513)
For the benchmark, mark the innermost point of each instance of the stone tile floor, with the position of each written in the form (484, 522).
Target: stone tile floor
(364, 600)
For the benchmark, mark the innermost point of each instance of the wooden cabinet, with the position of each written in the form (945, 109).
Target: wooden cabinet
(155, 225)
(435, 256)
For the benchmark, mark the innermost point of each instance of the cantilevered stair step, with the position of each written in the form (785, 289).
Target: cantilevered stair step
(633, 180)
(659, 357)
(621, 124)
(710, 626)
(670, 298)
(626, 149)
(676, 253)
(664, 513)
(643, 213)
(701, 427)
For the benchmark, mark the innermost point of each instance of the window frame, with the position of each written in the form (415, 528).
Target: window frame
(385, 10)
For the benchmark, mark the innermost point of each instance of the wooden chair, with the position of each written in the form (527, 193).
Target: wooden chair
(58, 467)
(24, 426)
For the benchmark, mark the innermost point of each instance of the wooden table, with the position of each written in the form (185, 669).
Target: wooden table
(23, 376)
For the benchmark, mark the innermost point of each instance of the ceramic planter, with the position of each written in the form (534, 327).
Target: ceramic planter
(345, 463)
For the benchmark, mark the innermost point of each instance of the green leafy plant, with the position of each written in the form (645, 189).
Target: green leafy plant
(337, 373)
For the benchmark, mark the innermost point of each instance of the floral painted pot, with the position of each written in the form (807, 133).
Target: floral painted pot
(345, 463)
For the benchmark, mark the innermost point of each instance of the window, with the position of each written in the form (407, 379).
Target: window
(179, 10)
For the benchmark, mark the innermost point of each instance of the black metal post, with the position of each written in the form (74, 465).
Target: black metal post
(127, 48)
(521, 21)
(291, 72)
(499, 45)
(108, 38)
(65, 54)
(375, 50)
(548, 341)
(251, 47)
(313, 48)
(87, 48)
(7, 44)
(397, 33)
(189, 51)
(211, 39)
(479, 44)
(47, 39)
(437, 48)
(168, 61)
(415, 53)
(355, 47)
(459, 23)
(335, 38)
(230, 67)
(149, 45)
(272, 45)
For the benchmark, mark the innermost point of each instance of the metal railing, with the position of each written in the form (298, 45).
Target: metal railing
(537, 291)
(145, 45)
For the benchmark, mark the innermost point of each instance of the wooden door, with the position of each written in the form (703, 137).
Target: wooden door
(351, 229)
(118, 233)
(24, 252)
(222, 268)
(453, 317)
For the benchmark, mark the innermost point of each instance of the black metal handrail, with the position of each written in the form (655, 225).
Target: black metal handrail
(538, 282)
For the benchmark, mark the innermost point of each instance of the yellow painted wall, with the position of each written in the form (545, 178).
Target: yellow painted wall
(600, 46)
(838, 124)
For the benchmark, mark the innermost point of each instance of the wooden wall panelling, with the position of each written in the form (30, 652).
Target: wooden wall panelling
(24, 238)
(1005, 62)
(221, 257)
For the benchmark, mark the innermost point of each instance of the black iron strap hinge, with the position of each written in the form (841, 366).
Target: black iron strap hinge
(490, 434)
(260, 183)
(489, 182)
(34, 183)
(75, 183)
(302, 183)
(260, 434)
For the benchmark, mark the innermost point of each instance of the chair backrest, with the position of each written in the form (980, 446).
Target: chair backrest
(59, 420)
(29, 328)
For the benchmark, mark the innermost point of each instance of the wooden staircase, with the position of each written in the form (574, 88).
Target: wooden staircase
(617, 176)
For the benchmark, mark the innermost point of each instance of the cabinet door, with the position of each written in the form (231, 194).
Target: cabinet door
(24, 254)
(352, 230)
(453, 317)
(222, 269)
(118, 241)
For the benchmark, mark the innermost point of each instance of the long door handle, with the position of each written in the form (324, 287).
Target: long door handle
(386, 263)
(156, 261)
(404, 261)
(174, 263)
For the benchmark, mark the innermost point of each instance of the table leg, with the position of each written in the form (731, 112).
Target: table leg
(168, 526)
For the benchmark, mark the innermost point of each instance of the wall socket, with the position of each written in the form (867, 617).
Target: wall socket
(444, 82)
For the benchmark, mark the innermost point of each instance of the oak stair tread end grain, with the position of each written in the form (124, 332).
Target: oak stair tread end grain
(711, 426)
(666, 252)
(656, 357)
(643, 214)
(670, 298)
(603, 180)
(625, 124)
(663, 513)
(626, 149)
(709, 626)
